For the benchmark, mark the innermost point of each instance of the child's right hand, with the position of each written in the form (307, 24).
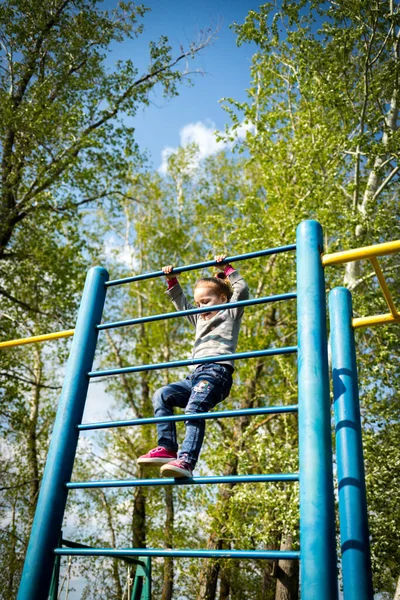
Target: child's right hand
(167, 271)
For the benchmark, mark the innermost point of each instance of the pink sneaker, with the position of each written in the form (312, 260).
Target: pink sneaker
(177, 468)
(157, 456)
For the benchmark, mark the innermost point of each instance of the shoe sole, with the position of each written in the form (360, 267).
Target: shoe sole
(175, 472)
(154, 461)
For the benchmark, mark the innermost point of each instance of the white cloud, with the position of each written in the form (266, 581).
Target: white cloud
(123, 253)
(203, 134)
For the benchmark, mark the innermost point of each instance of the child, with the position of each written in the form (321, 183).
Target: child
(216, 334)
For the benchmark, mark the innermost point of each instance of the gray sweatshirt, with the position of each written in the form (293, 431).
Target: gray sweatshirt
(220, 334)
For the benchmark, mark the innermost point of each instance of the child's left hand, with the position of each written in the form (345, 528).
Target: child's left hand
(220, 258)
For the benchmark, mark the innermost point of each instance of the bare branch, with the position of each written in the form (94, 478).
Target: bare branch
(20, 302)
(14, 375)
(385, 182)
(62, 161)
(18, 485)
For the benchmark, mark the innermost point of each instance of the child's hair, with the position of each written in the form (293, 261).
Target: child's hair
(220, 281)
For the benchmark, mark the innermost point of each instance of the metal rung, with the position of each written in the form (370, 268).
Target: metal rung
(122, 552)
(72, 544)
(197, 311)
(206, 264)
(222, 414)
(196, 361)
(108, 483)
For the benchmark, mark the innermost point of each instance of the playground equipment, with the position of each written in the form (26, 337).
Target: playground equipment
(317, 520)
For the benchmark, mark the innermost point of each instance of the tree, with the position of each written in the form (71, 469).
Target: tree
(64, 137)
(64, 144)
(324, 107)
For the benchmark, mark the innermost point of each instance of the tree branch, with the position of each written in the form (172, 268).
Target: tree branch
(385, 182)
(30, 381)
(20, 302)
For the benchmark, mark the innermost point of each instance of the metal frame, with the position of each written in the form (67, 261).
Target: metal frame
(354, 535)
(317, 515)
(108, 483)
(194, 361)
(197, 311)
(205, 264)
(336, 258)
(39, 560)
(215, 414)
(370, 253)
(318, 559)
(174, 552)
(141, 589)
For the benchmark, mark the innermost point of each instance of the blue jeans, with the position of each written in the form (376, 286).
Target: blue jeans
(198, 393)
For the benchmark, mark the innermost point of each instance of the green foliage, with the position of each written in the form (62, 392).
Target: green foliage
(64, 144)
(322, 142)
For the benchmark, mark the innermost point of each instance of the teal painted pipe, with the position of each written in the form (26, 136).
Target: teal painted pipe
(115, 483)
(205, 264)
(121, 552)
(195, 361)
(354, 535)
(197, 311)
(318, 579)
(217, 414)
(46, 528)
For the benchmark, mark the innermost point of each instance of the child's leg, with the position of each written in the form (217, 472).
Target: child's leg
(165, 398)
(210, 385)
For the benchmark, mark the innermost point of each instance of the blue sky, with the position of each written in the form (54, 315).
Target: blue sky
(196, 112)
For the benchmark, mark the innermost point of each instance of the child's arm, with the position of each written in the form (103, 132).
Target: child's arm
(240, 288)
(176, 294)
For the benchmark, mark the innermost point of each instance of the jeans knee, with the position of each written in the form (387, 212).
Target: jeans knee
(159, 398)
(163, 398)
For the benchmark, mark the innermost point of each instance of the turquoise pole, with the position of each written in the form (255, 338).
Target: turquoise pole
(354, 536)
(39, 561)
(317, 518)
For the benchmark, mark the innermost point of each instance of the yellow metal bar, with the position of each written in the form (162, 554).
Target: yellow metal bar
(338, 258)
(375, 320)
(384, 286)
(38, 338)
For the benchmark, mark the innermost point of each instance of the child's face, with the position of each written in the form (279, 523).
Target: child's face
(208, 295)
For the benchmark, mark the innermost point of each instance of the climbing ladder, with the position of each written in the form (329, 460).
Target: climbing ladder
(317, 555)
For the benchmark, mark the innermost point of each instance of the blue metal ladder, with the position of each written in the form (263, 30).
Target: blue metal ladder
(318, 576)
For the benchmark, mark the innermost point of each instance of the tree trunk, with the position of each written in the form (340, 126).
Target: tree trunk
(269, 568)
(168, 543)
(115, 571)
(397, 592)
(287, 584)
(225, 586)
(139, 518)
(32, 454)
(375, 183)
(12, 566)
(210, 571)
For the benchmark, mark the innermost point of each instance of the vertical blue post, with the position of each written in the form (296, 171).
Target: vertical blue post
(36, 575)
(354, 535)
(318, 577)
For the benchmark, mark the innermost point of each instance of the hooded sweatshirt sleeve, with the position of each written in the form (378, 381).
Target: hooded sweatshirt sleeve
(180, 302)
(240, 291)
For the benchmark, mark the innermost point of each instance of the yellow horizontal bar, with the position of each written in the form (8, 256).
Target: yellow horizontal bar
(38, 338)
(375, 320)
(338, 258)
(385, 289)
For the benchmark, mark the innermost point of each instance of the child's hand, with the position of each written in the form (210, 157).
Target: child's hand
(167, 271)
(220, 258)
